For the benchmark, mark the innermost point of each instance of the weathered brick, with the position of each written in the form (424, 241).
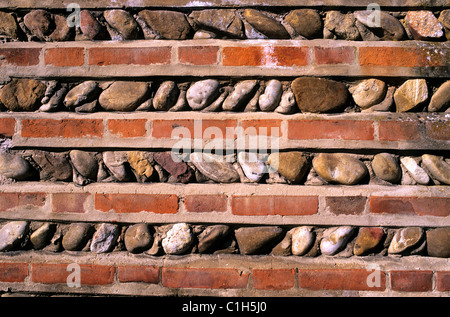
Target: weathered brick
(27, 200)
(7, 127)
(411, 281)
(438, 130)
(346, 205)
(198, 55)
(330, 129)
(127, 128)
(398, 130)
(138, 273)
(13, 272)
(90, 274)
(188, 128)
(205, 203)
(104, 56)
(64, 56)
(215, 278)
(20, 56)
(334, 55)
(65, 128)
(266, 56)
(262, 127)
(274, 205)
(69, 202)
(443, 281)
(421, 206)
(273, 279)
(130, 203)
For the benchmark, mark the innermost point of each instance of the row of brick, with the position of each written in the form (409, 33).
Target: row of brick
(231, 278)
(239, 205)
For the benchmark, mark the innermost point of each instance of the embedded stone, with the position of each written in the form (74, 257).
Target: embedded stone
(123, 23)
(389, 28)
(284, 248)
(444, 18)
(141, 163)
(287, 103)
(178, 240)
(52, 166)
(174, 166)
(221, 20)
(438, 242)
(77, 236)
(89, 25)
(293, 166)
(8, 25)
(423, 25)
(41, 236)
(105, 238)
(240, 96)
(367, 240)
(169, 25)
(271, 97)
(211, 237)
(39, 23)
(440, 101)
(166, 96)
(265, 24)
(368, 93)
(416, 172)
(335, 239)
(342, 25)
(306, 22)
(438, 167)
(12, 234)
(405, 239)
(319, 94)
(215, 167)
(84, 163)
(123, 96)
(202, 93)
(386, 167)
(116, 161)
(411, 94)
(252, 166)
(302, 239)
(257, 240)
(339, 168)
(14, 166)
(22, 94)
(62, 31)
(138, 238)
(82, 93)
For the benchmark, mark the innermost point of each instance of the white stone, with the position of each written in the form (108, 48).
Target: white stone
(415, 170)
(287, 103)
(202, 93)
(11, 233)
(240, 96)
(404, 239)
(302, 239)
(105, 238)
(334, 239)
(272, 95)
(253, 167)
(178, 239)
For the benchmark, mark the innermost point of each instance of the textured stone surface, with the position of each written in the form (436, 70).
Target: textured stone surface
(202, 93)
(105, 238)
(251, 165)
(52, 166)
(62, 31)
(404, 239)
(138, 238)
(306, 22)
(14, 166)
(386, 167)
(166, 96)
(123, 96)
(438, 167)
(41, 236)
(253, 240)
(302, 239)
(211, 237)
(240, 96)
(411, 94)
(178, 239)
(12, 233)
(77, 236)
(415, 170)
(368, 238)
(440, 101)
(424, 25)
(22, 94)
(291, 165)
(342, 25)
(116, 162)
(265, 24)
(8, 25)
(215, 167)
(368, 92)
(169, 25)
(438, 242)
(335, 239)
(123, 25)
(89, 25)
(82, 93)
(339, 168)
(222, 20)
(389, 29)
(39, 23)
(271, 97)
(175, 167)
(85, 163)
(141, 163)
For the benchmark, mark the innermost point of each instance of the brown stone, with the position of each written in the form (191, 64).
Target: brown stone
(339, 168)
(306, 22)
(424, 25)
(253, 240)
(440, 101)
(265, 24)
(342, 25)
(123, 23)
(39, 23)
(22, 94)
(438, 242)
(8, 25)
(386, 167)
(367, 239)
(123, 96)
(390, 28)
(211, 237)
(291, 165)
(138, 238)
(89, 25)
(222, 20)
(180, 170)
(62, 31)
(411, 94)
(170, 25)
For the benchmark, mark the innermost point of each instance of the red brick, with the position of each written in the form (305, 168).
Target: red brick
(263, 127)
(217, 278)
(20, 56)
(398, 130)
(127, 128)
(274, 205)
(129, 203)
(65, 128)
(7, 127)
(104, 56)
(334, 55)
(438, 130)
(273, 279)
(69, 202)
(421, 206)
(265, 56)
(411, 281)
(138, 273)
(14, 200)
(443, 281)
(339, 279)
(13, 272)
(64, 56)
(198, 55)
(346, 205)
(205, 203)
(330, 129)
(198, 129)
(90, 274)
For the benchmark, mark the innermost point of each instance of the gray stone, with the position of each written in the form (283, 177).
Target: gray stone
(84, 163)
(405, 239)
(339, 168)
(368, 92)
(124, 96)
(438, 167)
(240, 96)
(8, 25)
(116, 162)
(293, 166)
(306, 22)
(39, 23)
(169, 25)
(386, 167)
(423, 25)
(104, 238)
(287, 103)
(202, 93)
(14, 166)
(124, 27)
(82, 93)
(252, 166)
(55, 100)
(211, 237)
(389, 29)
(215, 167)
(138, 238)
(440, 101)
(257, 240)
(265, 24)
(41, 237)
(342, 25)
(335, 239)
(438, 242)
(178, 239)
(12, 234)
(411, 94)
(22, 94)
(220, 20)
(415, 170)
(302, 239)
(166, 96)
(271, 97)
(77, 236)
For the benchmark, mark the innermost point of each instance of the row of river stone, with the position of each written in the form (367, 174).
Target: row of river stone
(118, 24)
(303, 94)
(292, 167)
(183, 238)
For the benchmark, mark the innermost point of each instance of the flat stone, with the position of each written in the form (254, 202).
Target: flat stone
(368, 239)
(302, 239)
(438, 167)
(438, 242)
(222, 20)
(440, 101)
(389, 29)
(123, 23)
(411, 94)
(123, 96)
(105, 238)
(8, 25)
(12, 233)
(89, 25)
(319, 94)
(339, 168)
(240, 96)
(76, 237)
(271, 97)
(335, 239)
(84, 163)
(141, 163)
(405, 239)
(116, 162)
(39, 23)
(415, 170)
(444, 18)
(82, 93)
(41, 237)
(257, 240)
(423, 25)
(252, 166)
(386, 167)
(306, 22)
(368, 92)
(22, 94)
(342, 25)
(265, 24)
(166, 96)
(293, 166)
(214, 167)
(138, 238)
(211, 237)
(178, 240)
(174, 166)
(284, 248)
(62, 31)
(202, 93)
(52, 166)
(287, 103)
(14, 166)
(169, 25)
